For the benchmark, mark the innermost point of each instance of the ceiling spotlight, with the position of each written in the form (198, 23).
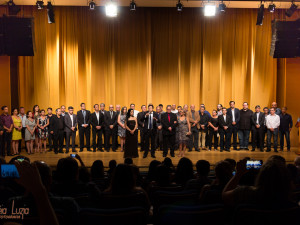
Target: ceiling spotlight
(92, 5)
(132, 6)
(222, 7)
(13, 9)
(40, 4)
(50, 11)
(291, 10)
(209, 10)
(260, 15)
(272, 7)
(179, 6)
(111, 9)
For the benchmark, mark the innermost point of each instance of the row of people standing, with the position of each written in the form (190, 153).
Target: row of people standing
(191, 128)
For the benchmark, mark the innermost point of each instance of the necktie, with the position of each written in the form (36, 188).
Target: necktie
(169, 117)
(111, 114)
(83, 112)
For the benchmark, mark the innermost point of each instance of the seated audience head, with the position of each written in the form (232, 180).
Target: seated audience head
(112, 164)
(67, 169)
(232, 163)
(203, 168)
(123, 180)
(297, 162)
(163, 176)
(128, 161)
(223, 171)
(184, 171)
(152, 171)
(97, 170)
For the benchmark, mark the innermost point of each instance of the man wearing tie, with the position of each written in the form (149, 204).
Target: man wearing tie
(150, 120)
(169, 123)
(258, 121)
(225, 123)
(102, 110)
(57, 129)
(70, 120)
(97, 120)
(111, 121)
(83, 118)
(159, 135)
(234, 113)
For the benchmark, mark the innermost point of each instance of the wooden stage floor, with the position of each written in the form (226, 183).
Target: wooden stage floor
(212, 156)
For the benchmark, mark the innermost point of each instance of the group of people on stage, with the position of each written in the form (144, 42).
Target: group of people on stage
(177, 128)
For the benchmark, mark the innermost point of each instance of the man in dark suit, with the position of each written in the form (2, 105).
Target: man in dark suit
(111, 121)
(258, 121)
(70, 120)
(97, 120)
(57, 129)
(50, 136)
(83, 118)
(159, 135)
(234, 113)
(150, 120)
(169, 123)
(102, 110)
(225, 124)
(141, 126)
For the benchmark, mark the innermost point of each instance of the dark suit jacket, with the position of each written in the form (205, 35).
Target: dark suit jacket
(261, 119)
(223, 123)
(68, 122)
(236, 115)
(204, 121)
(145, 120)
(54, 124)
(166, 124)
(139, 118)
(94, 120)
(80, 119)
(110, 121)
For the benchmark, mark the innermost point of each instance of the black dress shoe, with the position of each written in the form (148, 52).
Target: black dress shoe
(81, 150)
(60, 151)
(101, 150)
(261, 150)
(189, 150)
(50, 150)
(268, 150)
(221, 150)
(107, 150)
(197, 150)
(164, 155)
(94, 150)
(114, 150)
(275, 150)
(235, 148)
(55, 152)
(67, 152)
(253, 149)
(73, 150)
(153, 156)
(89, 150)
(144, 156)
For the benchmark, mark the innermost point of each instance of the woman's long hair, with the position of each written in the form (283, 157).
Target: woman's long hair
(128, 114)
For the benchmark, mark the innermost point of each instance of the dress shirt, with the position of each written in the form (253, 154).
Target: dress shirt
(6, 120)
(150, 125)
(224, 116)
(174, 111)
(111, 114)
(286, 122)
(273, 121)
(257, 116)
(84, 114)
(71, 116)
(97, 115)
(135, 113)
(219, 113)
(233, 115)
(23, 118)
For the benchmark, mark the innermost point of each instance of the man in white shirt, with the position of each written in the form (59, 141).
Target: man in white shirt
(135, 112)
(272, 123)
(70, 121)
(174, 110)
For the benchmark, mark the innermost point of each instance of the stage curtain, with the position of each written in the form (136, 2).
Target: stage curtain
(153, 55)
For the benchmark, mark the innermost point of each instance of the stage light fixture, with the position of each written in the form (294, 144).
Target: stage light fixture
(291, 10)
(222, 7)
(132, 6)
(50, 11)
(40, 4)
(111, 9)
(13, 9)
(92, 5)
(260, 15)
(179, 6)
(272, 7)
(209, 10)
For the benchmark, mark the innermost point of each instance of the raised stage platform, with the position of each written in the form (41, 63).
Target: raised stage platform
(212, 156)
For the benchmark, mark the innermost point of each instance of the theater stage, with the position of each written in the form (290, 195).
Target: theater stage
(212, 156)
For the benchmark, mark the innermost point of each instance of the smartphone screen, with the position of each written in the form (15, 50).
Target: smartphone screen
(9, 171)
(254, 164)
(73, 155)
(20, 159)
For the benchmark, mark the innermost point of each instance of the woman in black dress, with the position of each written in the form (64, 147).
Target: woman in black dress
(131, 140)
(213, 125)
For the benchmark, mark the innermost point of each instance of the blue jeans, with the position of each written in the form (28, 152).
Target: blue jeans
(244, 138)
(287, 138)
(275, 139)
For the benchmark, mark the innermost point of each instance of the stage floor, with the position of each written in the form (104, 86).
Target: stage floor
(212, 156)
